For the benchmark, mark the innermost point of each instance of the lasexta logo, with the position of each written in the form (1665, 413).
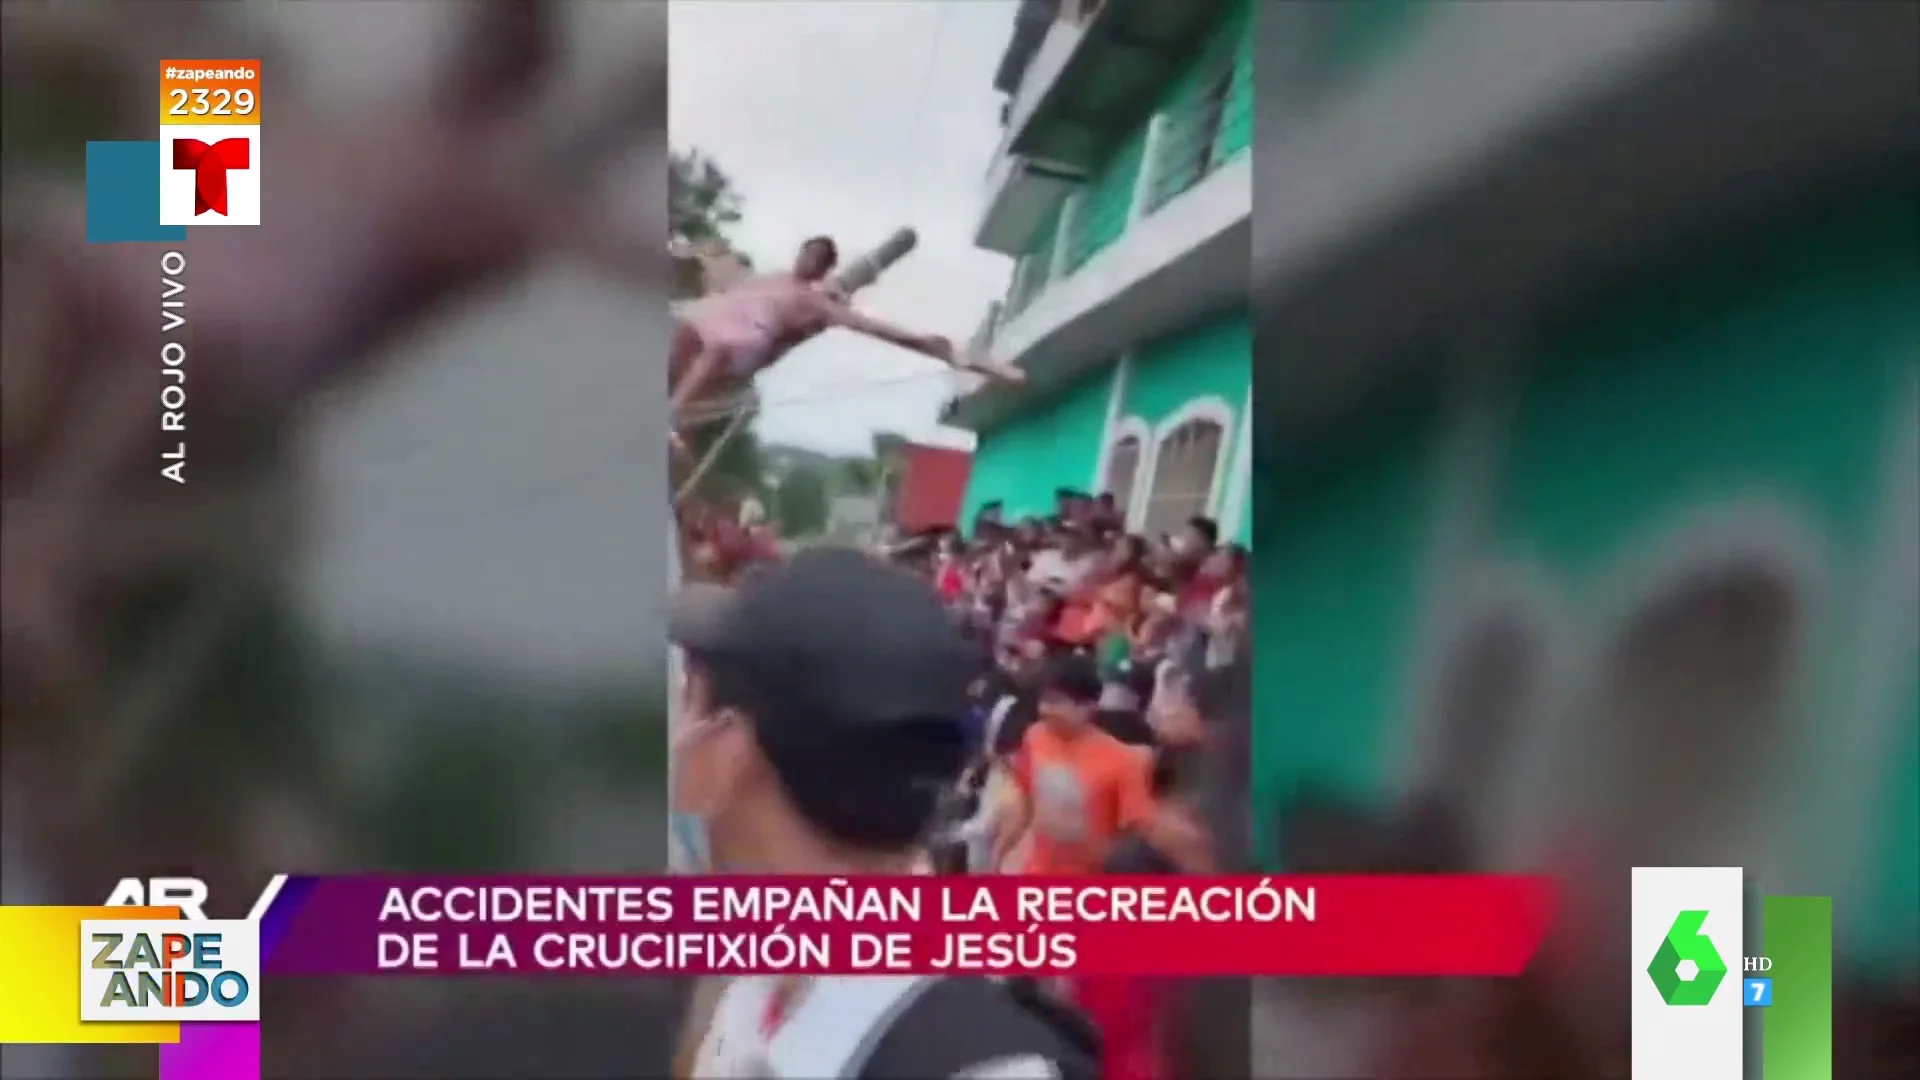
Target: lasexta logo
(209, 163)
(1686, 947)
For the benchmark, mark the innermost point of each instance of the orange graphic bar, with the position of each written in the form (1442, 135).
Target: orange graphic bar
(209, 93)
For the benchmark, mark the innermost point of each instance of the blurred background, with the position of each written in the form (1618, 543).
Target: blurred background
(1573, 393)
(410, 619)
(1588, 495)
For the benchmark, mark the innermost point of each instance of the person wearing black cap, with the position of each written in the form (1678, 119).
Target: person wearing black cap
(1064, 506)
(823, 718)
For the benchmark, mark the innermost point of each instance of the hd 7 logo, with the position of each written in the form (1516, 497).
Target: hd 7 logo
(1687, 969)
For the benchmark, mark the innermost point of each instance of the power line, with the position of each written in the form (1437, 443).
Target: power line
(724, 408)
(919, 131)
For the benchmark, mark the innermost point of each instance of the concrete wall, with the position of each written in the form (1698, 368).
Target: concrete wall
(1213, 361)
(1203, 371)
(1336, 583)
(1050, 445)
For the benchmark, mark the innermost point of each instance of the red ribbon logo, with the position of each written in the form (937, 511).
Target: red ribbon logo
(210, 164)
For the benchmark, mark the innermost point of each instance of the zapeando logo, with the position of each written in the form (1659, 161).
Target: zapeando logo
(1686, 945)
(209, 163)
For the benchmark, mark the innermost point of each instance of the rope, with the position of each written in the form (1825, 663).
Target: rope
(713, 455)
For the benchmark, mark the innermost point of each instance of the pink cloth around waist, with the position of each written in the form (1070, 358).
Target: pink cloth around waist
(745, 333)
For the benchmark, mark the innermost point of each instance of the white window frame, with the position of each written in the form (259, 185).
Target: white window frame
(1759, 531)
(1210, 407)
(1505, 818)
(1134, 428)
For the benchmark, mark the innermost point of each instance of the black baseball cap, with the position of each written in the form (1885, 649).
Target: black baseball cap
(855, 677)
(1074, 676)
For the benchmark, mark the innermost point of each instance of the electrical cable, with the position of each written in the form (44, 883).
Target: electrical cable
(721, 409)
(912, 191)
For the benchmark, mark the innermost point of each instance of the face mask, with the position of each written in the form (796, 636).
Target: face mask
(690, 839)
(689, 850)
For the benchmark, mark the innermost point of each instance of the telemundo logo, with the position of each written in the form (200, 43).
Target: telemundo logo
(1687, 969)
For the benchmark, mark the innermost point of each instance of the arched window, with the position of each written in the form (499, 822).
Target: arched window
(1691, 714)
(1692, 689)
(1485, 708)
(1186, 465)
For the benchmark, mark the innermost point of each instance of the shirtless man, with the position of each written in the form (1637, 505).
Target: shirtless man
(727, 337)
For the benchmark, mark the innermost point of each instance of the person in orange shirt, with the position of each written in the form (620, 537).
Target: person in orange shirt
(1074, 787)
(1096, 612)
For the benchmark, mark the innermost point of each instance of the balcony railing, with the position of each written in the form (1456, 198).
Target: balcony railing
(1080, 12)
(1202, 131)
(1106, 205)
(1208, 124)
(1029, 278)
(982, 340)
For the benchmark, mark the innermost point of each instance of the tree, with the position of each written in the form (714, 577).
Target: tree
(701, 199)
(703, 204)
(800, 503)
(858, 476)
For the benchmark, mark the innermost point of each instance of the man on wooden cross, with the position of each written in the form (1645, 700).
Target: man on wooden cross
(746, 322)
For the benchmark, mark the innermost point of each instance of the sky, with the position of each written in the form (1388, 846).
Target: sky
(852, 118)
(482, 498)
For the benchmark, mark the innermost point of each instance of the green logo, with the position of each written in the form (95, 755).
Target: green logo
(1685, 944)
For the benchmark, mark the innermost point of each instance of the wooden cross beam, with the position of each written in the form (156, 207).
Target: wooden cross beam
(866, 269)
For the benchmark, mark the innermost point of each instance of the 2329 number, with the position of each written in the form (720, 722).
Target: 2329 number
(221, 102)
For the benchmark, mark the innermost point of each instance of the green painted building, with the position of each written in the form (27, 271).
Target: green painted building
(1123, 189)
(1586, 462)
(1588, 450)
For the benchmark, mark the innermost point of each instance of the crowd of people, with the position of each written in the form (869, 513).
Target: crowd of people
(725, 537)
(1102, 652)
(1117, 674)
(1047, 697)
(1104, 648)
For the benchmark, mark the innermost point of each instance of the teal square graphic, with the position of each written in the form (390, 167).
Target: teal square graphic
(123, 195)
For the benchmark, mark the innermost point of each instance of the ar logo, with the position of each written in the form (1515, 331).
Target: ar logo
(1687, 969)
